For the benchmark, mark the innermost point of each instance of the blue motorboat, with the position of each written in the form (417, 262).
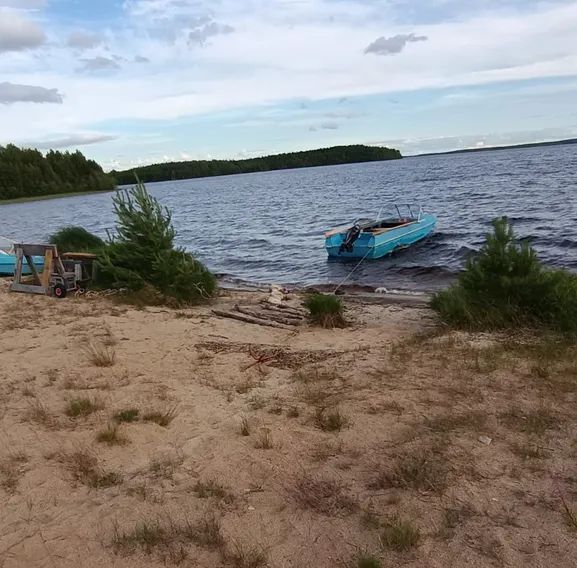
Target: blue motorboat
(371, 239)
(8, 260)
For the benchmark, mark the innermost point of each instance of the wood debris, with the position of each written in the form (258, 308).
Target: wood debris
(269, 315)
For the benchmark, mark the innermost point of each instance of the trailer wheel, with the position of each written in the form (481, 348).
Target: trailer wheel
(59, 291)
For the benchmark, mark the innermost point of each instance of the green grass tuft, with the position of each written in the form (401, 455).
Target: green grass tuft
(161, 418)
(400, 535)
(325, 310)
(127, 415)
(77, 407)
(367, 561)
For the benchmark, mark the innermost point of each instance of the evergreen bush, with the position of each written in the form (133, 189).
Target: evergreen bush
(142, 253)
(76, 239)
(506, 286)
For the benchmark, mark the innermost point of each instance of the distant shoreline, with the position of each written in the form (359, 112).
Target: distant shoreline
(51, 196)
(567, 142)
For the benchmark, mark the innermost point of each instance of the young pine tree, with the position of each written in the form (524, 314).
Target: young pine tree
(142, 252)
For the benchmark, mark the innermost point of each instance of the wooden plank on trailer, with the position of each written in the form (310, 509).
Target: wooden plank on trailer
(30, 288)
(45, 280)
(18, 271)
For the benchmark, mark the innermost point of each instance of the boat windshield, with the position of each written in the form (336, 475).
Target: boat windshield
(6, 245)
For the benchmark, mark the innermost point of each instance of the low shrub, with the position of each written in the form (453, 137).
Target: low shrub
(507, 286)
(325, 310)
(76, 239)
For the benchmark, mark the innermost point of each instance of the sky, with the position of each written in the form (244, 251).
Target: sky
(133, 82)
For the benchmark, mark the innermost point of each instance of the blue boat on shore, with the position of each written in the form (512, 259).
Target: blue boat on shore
(372, 239)
(8, 260)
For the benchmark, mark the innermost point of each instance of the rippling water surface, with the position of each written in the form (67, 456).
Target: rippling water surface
(268, 227)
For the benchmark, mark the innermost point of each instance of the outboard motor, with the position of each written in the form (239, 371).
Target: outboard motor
(352, 235)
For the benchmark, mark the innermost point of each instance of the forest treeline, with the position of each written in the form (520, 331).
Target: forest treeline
(28, 173)
(206, 168)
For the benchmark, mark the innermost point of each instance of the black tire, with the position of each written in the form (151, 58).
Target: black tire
(59, 291)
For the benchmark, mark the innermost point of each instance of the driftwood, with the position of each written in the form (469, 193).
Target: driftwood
(273, 317)
(289, 310)
(250, 319)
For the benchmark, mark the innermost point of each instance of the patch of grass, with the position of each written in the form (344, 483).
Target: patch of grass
(100, 355)
(315, 375)
(165, 466)
(370, 520)
(400, 535)
(528, 451)
(365, 560)
(276, 408)
(316, 395)
(244, 426)
(450, 422)
(257, 402)
(158, 535)
(52, 375)
(212, 488)
(111, 435)
(127, 415)
(11, 470)
(570, 516)
(38, 413)
(419, 469)
(27, 391)
(454, 517)
(264, 440)
(81, 407)
(327, 496)
(325, 310)
(243, 556)
(330, 420)
(293, 412)
(536, 422)
(84, 468)
(161, 418)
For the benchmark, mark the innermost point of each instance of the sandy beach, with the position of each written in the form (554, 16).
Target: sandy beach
(158, 437)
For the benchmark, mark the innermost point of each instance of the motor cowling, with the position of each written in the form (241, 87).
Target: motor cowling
(352, 235)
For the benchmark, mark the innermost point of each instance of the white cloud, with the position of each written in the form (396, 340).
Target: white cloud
(83, 40)
(392, 45)
(99, 63)
(18, 33)
(201, 34)
(280, 50)
(141, 59)
(69, 141)
(23, 4)
(11, 93)
(412, 146)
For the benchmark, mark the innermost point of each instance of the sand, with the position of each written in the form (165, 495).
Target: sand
(470, 439)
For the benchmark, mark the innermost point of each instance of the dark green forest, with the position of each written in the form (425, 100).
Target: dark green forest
(27, 173)
(206, 168)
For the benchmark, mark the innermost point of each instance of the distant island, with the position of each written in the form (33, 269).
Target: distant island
(206, 168)
(509, 147)
(28, 173)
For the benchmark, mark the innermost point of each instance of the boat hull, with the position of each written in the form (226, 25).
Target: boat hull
(8, 265)
(373, 246)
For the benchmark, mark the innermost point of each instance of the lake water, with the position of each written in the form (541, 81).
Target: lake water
(268, 227)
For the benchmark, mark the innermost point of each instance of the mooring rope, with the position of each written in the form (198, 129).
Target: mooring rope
(351, 272)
